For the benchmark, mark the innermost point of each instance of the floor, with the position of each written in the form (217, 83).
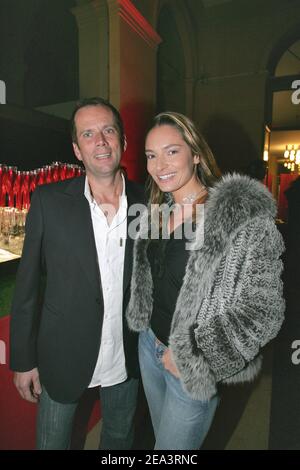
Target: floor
(241, 422)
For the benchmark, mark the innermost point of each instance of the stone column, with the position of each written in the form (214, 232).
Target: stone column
(132, 77)
(92, 21)
(190, 84)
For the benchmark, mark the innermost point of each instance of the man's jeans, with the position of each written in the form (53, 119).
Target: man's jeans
(179, 422)
(118, 404)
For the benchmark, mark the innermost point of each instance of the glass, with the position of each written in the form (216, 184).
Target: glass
(16, 188)
(7, 224)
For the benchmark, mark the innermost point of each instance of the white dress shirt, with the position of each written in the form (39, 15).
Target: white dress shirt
(110, 243)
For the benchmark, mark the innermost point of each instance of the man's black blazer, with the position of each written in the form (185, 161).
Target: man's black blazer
(57, 308)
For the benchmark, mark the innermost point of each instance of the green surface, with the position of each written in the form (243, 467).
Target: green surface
(6, 291)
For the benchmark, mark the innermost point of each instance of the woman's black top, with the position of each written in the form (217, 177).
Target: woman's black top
(168, 259)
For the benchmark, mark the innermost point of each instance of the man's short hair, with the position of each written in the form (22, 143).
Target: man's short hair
(97, 101)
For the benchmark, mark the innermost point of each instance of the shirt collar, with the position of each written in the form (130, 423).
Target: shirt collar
(91, 200)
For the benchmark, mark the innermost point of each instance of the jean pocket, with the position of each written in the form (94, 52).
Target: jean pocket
(160, 348)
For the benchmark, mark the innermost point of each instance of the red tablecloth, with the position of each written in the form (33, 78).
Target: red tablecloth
(17, 417)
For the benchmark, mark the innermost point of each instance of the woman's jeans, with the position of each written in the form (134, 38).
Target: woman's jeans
(118, 404)
(179, 422)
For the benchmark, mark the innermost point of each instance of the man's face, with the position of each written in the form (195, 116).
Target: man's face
(98, 141)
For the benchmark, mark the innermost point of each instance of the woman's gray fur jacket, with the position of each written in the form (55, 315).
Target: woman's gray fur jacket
(230, 303)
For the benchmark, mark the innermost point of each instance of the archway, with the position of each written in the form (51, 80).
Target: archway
(176, 61)
(283, 118)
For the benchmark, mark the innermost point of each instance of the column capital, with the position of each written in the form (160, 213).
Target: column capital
(127, 11)
(90, 12)
(92, 22)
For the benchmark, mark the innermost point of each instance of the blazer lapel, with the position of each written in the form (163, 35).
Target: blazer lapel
(81, 233)
(129, 244)
(134, 196)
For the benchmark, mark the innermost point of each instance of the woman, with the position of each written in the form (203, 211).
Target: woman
(204, 308)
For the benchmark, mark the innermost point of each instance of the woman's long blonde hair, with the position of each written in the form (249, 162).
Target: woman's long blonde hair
(206, 170)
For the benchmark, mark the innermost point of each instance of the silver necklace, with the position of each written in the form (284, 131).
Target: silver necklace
(191, 198)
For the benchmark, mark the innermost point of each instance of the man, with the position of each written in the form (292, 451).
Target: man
(74, 336)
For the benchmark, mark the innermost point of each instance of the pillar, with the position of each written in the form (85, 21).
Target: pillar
(132, 77)
(92, 21)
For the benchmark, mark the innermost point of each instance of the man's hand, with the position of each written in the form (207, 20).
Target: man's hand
(169, 364)
(28, 385)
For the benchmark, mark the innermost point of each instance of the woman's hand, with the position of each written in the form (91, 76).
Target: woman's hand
(169, 364)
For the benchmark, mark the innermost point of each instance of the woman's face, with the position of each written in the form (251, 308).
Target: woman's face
(170, 161)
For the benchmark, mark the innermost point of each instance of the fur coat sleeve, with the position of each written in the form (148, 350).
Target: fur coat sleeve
(253, 306)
